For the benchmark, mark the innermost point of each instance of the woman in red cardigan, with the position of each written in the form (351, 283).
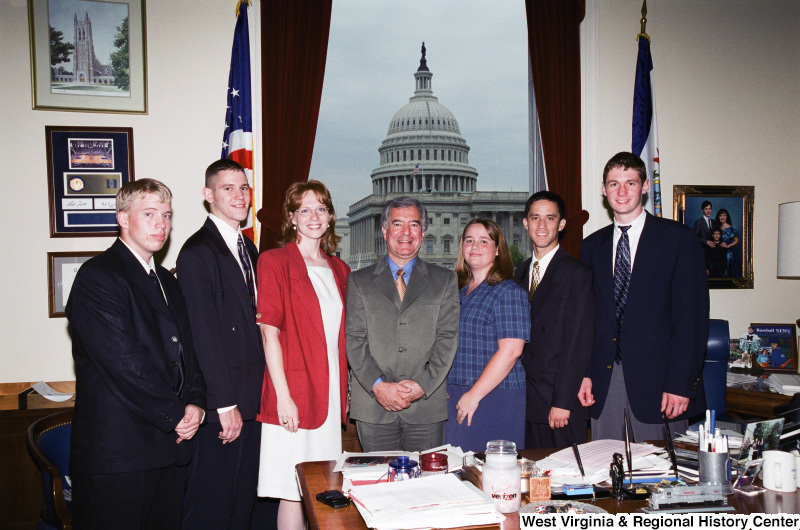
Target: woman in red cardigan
(301, 294)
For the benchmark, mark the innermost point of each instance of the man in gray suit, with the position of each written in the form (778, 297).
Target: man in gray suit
(402, 333)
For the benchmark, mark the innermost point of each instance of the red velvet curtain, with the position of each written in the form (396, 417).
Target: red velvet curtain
(555, 54)
(294, 46)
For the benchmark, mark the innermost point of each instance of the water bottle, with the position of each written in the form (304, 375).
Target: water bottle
(501, 475)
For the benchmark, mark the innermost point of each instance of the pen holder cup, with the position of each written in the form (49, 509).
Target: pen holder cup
(714, 468)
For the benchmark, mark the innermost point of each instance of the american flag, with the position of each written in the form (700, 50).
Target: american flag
(415, 170)
(237, 141)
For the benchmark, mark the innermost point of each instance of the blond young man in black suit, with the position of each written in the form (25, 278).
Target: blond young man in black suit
(140, 396)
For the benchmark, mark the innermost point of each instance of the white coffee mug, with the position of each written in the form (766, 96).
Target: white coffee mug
(779, 471)
(797, 469)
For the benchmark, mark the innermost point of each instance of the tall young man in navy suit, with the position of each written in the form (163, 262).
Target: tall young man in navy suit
(651, 317)
(216, 272)
(140, 396)
(562, 326)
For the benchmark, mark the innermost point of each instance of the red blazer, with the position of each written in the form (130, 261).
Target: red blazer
(287, 301)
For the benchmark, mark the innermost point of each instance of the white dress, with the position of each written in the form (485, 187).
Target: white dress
(281, 450)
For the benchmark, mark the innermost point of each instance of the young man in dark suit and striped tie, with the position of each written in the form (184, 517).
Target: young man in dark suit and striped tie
(651, 314)
(216, 272)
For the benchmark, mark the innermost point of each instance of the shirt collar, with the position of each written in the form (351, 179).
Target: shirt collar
(148, 266)
(544, 261)
(637, 223)
(228, 233)
(394, 267)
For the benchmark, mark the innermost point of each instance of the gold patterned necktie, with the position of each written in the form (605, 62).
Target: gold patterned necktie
(400, 284)
(534, 280)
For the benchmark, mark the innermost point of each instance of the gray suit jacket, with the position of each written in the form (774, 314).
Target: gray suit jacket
(413, 339)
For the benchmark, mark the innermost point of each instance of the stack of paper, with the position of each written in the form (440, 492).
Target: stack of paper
(740, 379)
(369, 468)
(596, 457)
(437, 501)
(734, 438)
(787, 384)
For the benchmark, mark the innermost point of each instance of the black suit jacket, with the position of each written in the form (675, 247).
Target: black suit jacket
(562, 335)
(226, 336)
(665, 327)
(702, 230)
(127, 344)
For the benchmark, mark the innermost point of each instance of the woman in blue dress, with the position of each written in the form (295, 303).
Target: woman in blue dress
(730, 242)
(486, 385)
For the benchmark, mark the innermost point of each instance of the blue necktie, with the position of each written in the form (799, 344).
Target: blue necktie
(622, 276)
(248, 272)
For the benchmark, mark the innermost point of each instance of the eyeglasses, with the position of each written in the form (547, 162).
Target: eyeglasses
(305, 212)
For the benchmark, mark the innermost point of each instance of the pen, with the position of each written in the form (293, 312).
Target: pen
(628, 446)
(671, 448)
(713, 420)
(577, 453)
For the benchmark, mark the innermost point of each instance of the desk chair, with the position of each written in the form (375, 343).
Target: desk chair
(715, 374)
(715, 368)
(48, 443)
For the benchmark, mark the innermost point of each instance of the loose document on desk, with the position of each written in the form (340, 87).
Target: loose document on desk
(597, 457)
(436, 501)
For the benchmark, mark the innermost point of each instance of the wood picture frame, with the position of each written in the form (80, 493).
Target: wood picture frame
(729, 262)
(61, 270)
(99, 51)
(86, 167)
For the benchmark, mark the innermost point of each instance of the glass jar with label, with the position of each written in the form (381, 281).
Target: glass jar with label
(501, 475)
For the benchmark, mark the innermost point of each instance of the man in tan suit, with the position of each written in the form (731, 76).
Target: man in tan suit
(402, 333)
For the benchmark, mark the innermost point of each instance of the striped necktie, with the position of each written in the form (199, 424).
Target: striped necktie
(622, 277)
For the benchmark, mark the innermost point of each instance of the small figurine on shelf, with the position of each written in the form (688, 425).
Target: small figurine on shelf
(617, 476)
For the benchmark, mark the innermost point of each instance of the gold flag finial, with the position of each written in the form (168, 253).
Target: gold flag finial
(643, 21)
(239, 4)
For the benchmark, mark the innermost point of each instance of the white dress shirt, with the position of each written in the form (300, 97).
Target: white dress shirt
(634, 234)
(544, 261)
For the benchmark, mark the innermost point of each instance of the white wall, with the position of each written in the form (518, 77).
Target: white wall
(728, 89)
(188, 55)
(727, 77)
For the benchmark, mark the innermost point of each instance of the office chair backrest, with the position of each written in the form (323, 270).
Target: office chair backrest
(715, 369)
(49, 445)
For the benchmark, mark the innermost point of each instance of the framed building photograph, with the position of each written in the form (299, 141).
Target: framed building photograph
(61, 270)
(776, 349)
(86, 166)
(722, 219)
(88, 55)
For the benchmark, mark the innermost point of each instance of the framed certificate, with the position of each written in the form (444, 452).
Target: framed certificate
(61, 270)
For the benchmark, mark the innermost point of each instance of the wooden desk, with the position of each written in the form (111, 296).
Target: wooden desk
(20, 480)
(315, 477)
(754, 399)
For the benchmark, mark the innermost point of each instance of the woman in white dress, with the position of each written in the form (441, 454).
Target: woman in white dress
(301, 293)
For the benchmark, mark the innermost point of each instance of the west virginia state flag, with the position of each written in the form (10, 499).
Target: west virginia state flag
(644, 142)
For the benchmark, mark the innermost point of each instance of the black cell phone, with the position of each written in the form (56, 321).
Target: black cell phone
(333, 498)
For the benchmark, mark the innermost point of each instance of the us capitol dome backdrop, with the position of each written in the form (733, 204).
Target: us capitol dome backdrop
(425, 156)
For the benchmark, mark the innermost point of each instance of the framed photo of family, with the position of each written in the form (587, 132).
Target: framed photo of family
(88, 55)
(722, 219)
(86, 166)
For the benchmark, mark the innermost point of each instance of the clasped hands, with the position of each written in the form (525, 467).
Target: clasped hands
(397, 396)
(189, 424)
